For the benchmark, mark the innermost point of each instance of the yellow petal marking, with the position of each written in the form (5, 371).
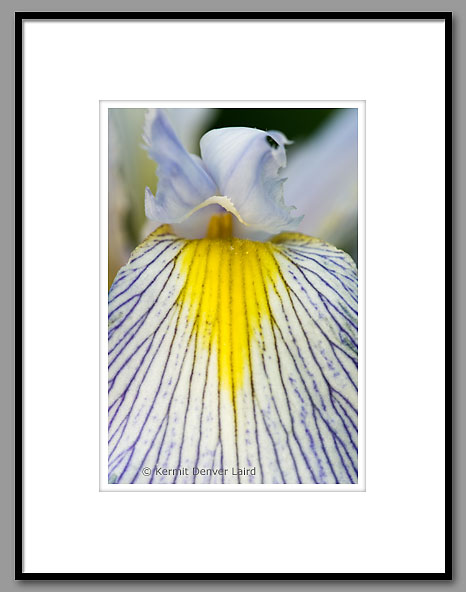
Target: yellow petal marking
(225, 295)
(278, 348)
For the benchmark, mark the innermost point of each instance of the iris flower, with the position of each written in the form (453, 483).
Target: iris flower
(323, 181)
(231, 359)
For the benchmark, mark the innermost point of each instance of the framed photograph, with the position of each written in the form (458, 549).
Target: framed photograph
(227, 295)
(220, 375)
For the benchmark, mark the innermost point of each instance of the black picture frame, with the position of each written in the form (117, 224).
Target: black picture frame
(20, 17)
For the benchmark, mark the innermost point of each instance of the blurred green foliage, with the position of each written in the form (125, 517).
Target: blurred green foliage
(297, 124)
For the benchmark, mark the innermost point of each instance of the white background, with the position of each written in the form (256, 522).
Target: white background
(397, 524)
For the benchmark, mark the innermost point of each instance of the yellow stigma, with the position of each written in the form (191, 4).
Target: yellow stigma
(220, 226)
(226, 296)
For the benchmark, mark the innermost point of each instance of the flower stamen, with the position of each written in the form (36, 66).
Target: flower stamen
(220, 226)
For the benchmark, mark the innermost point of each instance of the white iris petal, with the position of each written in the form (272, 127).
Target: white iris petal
(232, 355)
(246, 164)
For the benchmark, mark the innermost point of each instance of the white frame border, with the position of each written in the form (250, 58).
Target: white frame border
(398, 525)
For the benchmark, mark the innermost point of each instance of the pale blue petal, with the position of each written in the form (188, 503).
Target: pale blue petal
(189, 124)
(183, 184)
(245, 164)
(323, 180)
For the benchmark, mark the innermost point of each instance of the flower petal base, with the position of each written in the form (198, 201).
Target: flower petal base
(233, 361)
